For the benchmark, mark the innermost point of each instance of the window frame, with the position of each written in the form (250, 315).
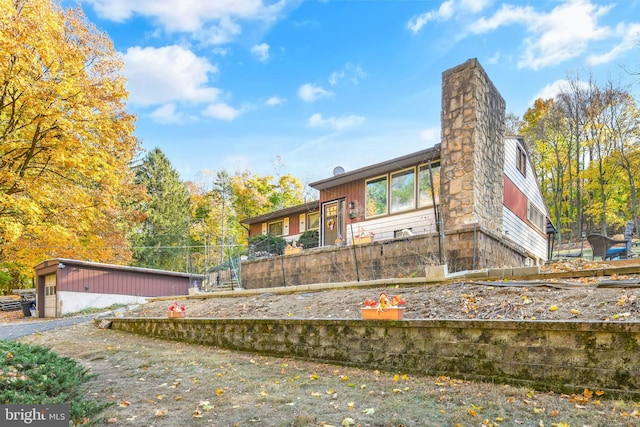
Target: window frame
(317, 215)
(378, 178)
(436, 189)
(521, 160)
(534, 215)
(402, 172)
(269, 224)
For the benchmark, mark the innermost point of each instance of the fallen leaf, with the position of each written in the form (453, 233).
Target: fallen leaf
(348, 422)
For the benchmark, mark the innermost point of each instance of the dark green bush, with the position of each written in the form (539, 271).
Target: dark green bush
(266, 245)
(36, 375)
(309, 239)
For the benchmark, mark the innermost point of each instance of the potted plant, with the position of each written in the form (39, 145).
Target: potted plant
(384, 308)
(293, 248)
(176, 311)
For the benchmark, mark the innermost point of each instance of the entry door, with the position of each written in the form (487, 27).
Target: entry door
(50, 296)
(333, 222)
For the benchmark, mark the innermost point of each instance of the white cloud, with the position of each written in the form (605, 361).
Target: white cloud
(220, 51)
(443, 13)
(552, 90)
(556, 36)
(168, 114)
(310, 93)
(221, 32)
(274, 101)
(630, 34)
(167, 74)
(337, 123)
(430, 135)
(187, 15)
(448, 9)
(221, 111)
(261, 51)
(351, 72)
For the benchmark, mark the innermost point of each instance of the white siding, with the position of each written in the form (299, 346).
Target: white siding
(518, 230)
(523, 235)
(529, 185)
(419, 222)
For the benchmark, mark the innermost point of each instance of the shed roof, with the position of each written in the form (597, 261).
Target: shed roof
(422, 156)
(74, 262)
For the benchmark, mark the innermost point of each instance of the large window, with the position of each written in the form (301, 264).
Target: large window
(276, 228)
(403, 190)
(376, 196)
(425, 197)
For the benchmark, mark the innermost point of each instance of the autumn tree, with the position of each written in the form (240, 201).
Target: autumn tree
(65, 139)
(544, 129)
(161, 240)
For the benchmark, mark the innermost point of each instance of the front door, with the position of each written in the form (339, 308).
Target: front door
(50, 296)
(333, 224)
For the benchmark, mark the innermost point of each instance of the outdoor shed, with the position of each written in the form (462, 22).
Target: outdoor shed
(66, 286)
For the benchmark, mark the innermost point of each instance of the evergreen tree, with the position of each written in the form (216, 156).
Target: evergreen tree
(160, 242)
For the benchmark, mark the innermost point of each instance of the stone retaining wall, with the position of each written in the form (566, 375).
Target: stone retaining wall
(560, 356)
(469, 248)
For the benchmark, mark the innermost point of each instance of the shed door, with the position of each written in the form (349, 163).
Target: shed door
(50, 300)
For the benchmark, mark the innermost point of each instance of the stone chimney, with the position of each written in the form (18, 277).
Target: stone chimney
(472, 150)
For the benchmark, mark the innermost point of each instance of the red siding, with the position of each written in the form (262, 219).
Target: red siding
(514, 199)
(255, 230)
(352, 192)
(83, 279)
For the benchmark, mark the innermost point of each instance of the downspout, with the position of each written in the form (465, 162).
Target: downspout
(437, 217)
(355, 257)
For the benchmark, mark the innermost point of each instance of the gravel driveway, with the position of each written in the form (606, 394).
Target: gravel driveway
(14, 330)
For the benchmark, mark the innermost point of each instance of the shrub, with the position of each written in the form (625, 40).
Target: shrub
(309, 239)
(36, 375)
(266, 244)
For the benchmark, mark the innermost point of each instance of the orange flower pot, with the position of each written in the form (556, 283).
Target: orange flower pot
(175, 314)
(396, 313)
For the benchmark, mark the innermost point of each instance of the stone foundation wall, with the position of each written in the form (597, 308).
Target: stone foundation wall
(564, 357)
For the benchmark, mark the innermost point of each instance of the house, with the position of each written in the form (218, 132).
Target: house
(287, 223)
(400, 198)
(471, 202)
(66, 286)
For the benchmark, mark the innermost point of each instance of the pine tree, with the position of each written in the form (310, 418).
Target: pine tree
(161, 240)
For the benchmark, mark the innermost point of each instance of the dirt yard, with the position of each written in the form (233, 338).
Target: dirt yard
(593, 298)
(160, 383)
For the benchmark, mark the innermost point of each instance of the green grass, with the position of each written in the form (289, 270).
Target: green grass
(36, 375)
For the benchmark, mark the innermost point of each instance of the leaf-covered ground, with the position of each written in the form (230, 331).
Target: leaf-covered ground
(160, 383)
(592, 298)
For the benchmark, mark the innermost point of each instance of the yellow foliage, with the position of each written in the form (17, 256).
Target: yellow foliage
(66, 140)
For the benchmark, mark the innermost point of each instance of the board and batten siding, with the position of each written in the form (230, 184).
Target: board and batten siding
(79, 279)
(520, 190)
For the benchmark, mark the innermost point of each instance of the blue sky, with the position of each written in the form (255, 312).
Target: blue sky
(239, 84)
